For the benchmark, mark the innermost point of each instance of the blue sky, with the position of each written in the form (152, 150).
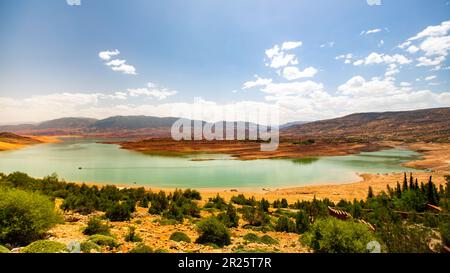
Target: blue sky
(344, 56)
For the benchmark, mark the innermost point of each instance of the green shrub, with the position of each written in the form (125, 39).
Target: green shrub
(103, 240)
(444, 229)
(96, 226)
(159, 203)
(88, 246)
(213, 231)
(230, 218)
(331, 235)
(266, 239)
(131, 236)
(179, 236)
(4, 249)
(255, 216)
(301, 222)
(45, 246)
(251, 237)
(404, 238)
(284, 224)
(119, 212)
(25, 216)
(141, 248)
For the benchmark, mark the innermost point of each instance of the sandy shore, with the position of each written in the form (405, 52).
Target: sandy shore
(8, 146)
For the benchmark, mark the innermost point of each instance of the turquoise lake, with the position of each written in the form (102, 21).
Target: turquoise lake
(88, 161)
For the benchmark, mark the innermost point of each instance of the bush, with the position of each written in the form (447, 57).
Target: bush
(88, 246)
(131, 236)
(255, 216)
(213, 231)
(141, 248)
(266, 239)
(4, 249)
(179, 236)
(25, 216)
(284, 224)
(400, 238)
(119, 212)
(331, 235)
(159, 203)
(103, 240)
(230, 218)
(251, 237)
(301, 222)
(444, 229)
(96, 226)
(44, 246)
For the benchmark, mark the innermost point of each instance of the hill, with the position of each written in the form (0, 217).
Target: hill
(66, 123)
(423, 125)
(133, 122)
(10, 141)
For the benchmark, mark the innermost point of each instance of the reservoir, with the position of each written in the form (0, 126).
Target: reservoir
(88, 161)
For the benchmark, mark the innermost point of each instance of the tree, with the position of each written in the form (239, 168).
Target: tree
(118, 212)
(370, 193)
(230, 218)
(264, 204)
(25, 216)
(398, 190)
(405, 183)
(96, 226)
(212, 231)
(432, 193)
(284, 224)
(301, 222)
(331, 235)
(159, 203)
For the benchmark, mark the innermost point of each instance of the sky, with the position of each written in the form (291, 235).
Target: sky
(310, 59)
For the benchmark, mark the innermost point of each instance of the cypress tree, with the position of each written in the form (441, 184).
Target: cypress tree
(411, 181)
(405, 183)
(370, 193)
(398, 190)
(416, 185)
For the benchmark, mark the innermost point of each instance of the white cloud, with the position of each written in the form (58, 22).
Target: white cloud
(377, 58)
(291, 45)
(424, 61)
(373, 2)
(380, 43)
(258, 82)
(292, 88)
(432, 77)
(433, 31)
(370, 31)
(116, 64)
(412, 49)
(106, 55)
(73, 2)
(152, 90)
(278, 56)
(293, 73)
(327, 44)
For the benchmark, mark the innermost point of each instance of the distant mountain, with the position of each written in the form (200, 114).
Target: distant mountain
(133, 122)
(290, 124)
(66, 123)
(426, 124)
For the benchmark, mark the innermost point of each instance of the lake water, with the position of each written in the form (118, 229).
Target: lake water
(107, 163)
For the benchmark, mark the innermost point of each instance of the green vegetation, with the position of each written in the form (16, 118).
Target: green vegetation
(251, 238)
(265, 239)
(88, 246)
(96, 226)
(179, 236)
(212, 231)
(24, 216)
(118, 212)
(131, 236)
(230, 218)
(44, 246)
(335, 236)
(141, 248)
(103, 240)
(4, 249)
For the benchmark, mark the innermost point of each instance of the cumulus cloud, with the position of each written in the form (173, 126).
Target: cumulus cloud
(293, 73)
(379, 58)
(152, 90)
(258, 82)
(432, 77)
(107, 54)
(433, 42)
(278, 57)
(116, 64)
